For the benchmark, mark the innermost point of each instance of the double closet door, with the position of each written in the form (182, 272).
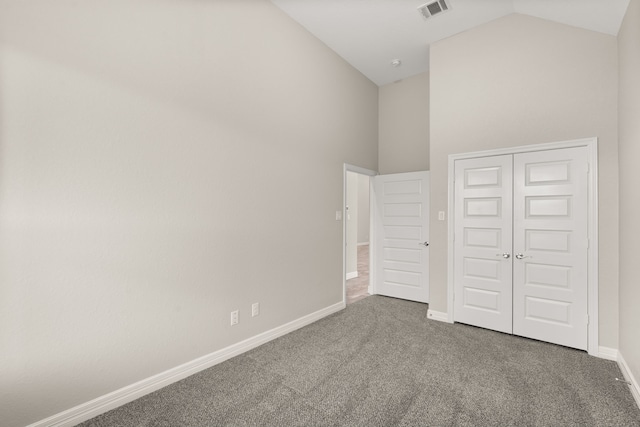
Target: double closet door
(520, 245)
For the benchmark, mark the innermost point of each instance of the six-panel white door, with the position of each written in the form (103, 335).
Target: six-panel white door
(402, 232)
(482, 268)
(550, 246)
(521, 244)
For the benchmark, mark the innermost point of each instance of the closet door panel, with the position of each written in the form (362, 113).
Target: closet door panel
(550, 246)
(483, 240)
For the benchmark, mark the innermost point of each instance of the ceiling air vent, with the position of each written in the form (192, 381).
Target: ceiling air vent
(433, 8)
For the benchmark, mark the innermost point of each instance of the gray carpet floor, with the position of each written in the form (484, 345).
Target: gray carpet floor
(380, 362)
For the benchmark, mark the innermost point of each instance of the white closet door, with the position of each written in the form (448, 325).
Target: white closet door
(483, 241)
(550, 246)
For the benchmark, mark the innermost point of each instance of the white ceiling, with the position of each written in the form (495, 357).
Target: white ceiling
(369, 34)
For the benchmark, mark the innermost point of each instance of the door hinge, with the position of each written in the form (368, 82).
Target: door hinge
(586, 319)
(588, 167)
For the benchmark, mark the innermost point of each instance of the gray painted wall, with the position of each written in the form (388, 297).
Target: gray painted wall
(629, 111)
(156, 164)
(404, 125)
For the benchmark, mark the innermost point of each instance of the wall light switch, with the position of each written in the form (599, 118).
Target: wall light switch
(441, 216)
(338, 215)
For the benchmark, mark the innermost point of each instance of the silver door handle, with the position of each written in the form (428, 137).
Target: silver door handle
(520, 256)
(505, 255)
(424, 243)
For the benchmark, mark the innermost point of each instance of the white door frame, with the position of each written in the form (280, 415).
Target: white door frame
(362, 171)
(592, 255)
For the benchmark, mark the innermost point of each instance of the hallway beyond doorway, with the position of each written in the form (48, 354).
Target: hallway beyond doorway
(358, 287)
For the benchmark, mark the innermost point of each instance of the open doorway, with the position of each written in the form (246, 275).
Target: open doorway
(357, 235)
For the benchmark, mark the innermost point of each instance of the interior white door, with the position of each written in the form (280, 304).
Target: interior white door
(483, 242)
(401, 254)
(550, 246)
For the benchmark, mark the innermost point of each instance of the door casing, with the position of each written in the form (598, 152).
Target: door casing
(592, 255)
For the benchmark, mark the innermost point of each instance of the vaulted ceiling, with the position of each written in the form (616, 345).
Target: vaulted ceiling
(370, 34)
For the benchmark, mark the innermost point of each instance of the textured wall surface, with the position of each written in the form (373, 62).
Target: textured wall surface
(629, 111)
(404, 125)
(162, 163)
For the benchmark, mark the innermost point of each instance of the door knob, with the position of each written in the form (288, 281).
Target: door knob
(520, 256)
(505, 255)
(424, 243)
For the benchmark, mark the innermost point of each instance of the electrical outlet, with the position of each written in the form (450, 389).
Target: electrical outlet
(255, 309)
(234, 317)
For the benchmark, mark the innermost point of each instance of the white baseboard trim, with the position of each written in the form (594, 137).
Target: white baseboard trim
(352, 275)
(437, 315)
(628, 375)
(112, 400)
(607, 353)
